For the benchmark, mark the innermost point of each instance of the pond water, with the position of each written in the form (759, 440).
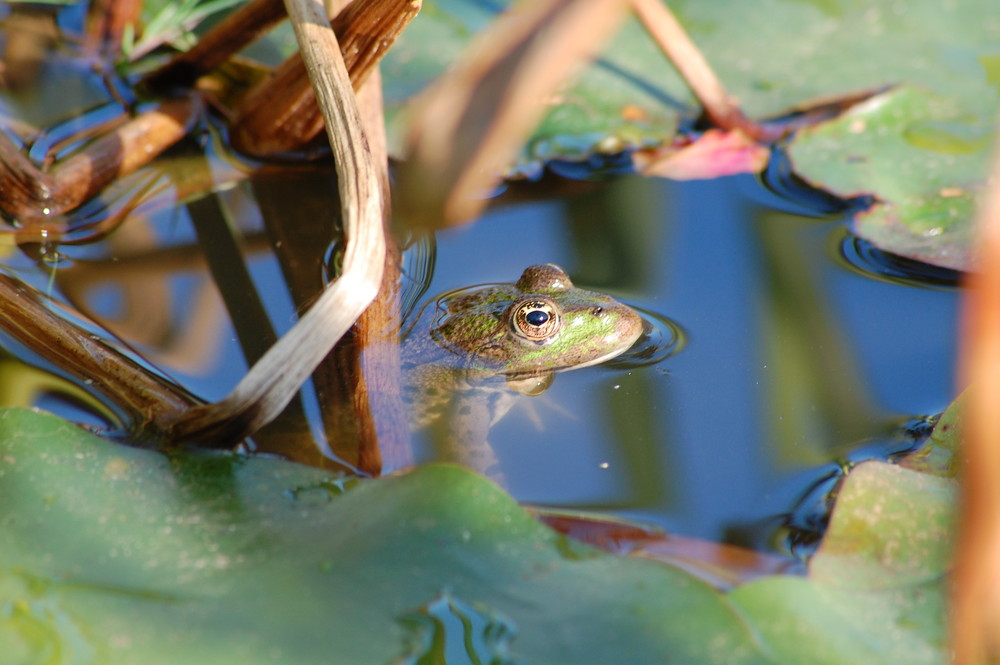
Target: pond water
(794, 360)
(799, 352)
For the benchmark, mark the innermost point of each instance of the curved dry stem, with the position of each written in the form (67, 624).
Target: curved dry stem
(273, 381)
(670, 36)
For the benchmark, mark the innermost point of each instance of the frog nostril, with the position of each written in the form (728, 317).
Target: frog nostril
(597, 310)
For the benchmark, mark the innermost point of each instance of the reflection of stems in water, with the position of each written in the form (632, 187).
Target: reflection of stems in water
(300, 236)
(34, 196)
(817, 397)
(231, 276)
(357, 385)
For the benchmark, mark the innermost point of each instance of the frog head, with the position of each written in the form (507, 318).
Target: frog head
(539, 325)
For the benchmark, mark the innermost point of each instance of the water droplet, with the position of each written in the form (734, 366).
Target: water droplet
(324, 490)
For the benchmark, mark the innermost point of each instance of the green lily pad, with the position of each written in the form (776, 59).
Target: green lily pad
(876, 589)
(922, 156)
(891, 528)
(118, 555)
(801, 621)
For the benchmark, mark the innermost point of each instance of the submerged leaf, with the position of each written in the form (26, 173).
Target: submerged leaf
(714, 154)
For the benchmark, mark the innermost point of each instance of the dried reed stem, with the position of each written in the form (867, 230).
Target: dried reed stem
(273, 381)
(144, 397)
(670, 36)
(475, 118)
(238, 29)
(34, 196)
(280, 114)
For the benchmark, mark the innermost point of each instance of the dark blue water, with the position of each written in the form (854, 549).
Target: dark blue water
(794, 360)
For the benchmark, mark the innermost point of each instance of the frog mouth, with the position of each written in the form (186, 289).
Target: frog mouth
(527, 373)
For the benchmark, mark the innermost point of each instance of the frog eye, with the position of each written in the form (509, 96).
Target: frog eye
(535, 320)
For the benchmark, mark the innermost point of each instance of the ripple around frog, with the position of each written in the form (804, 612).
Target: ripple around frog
(661, 338)
(863, 258)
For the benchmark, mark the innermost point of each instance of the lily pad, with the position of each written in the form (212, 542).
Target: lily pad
(119, 555)
(801, 621)
(891, 528)
(922, 156)
(876, 590)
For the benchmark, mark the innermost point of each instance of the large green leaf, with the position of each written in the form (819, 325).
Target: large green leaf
(876, 589)
(117, 555)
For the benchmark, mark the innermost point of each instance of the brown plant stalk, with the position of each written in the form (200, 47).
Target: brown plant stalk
(975, 616)
(280, 114)
(32, 321)
(469, 126)
(719, 107)
(33, 196)
(238, 29)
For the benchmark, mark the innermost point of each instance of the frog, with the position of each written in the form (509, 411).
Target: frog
(472, 351)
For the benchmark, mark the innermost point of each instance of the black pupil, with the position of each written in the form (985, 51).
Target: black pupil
(536, 317)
